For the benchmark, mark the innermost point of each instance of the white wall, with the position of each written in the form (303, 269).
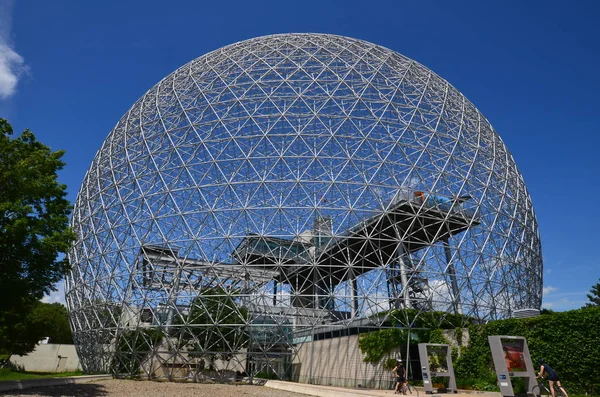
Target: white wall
(339, 362)
(49, 358)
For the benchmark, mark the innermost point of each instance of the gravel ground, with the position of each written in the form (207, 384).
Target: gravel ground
(123, 388)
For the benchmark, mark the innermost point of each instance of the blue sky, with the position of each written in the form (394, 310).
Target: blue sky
(70, 69)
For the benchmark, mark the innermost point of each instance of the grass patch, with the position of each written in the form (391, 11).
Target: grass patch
(7, 374)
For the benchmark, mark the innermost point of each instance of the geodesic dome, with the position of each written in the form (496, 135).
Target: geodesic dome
(284, 185)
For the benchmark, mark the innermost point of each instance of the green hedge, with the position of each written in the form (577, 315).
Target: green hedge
(568, 341)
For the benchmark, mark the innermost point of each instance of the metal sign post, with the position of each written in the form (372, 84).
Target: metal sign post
(512, 359)
(436, 360)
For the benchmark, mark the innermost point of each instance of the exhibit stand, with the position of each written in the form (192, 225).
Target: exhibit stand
(512, 360)
(436, 361)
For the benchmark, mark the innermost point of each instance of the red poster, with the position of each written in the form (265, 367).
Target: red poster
(513, 355)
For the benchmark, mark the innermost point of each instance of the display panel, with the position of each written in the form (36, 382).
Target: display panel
(513, 355)
(438, 362)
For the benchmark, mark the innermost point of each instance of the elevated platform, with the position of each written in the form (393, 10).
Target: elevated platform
(376, 241)
(162, 265)
(313, 265)
(417, 222)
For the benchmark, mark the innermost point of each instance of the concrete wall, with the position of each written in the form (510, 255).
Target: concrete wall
(339, 362)
(49, 358)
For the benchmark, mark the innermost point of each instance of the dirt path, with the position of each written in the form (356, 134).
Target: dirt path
(126, 388)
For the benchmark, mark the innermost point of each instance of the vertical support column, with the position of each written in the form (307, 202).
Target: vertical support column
(172, 299)
(250, 364)
(453, 282)
(315, 288)
(403, 276)
(392, 282)
(295, 287)
(403, 273)
(354, 295)
(352, 278)
(274, 292)
(312, 355)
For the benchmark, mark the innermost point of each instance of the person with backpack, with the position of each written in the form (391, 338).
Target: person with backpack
(552, 377)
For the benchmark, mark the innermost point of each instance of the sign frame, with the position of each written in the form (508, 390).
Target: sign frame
(503, 372)
(426, 367)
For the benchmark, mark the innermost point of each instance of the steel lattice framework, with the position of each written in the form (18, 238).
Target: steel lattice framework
(284, 184)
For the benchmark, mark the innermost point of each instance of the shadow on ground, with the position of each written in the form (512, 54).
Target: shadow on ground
(80, 390)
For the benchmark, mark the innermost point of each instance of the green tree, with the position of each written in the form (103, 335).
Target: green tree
(133, 347)
(34, 232)
(215, 325)
(594, 296)
(49, 320)
(52, 320)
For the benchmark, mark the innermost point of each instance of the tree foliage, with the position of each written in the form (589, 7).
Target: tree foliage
(105, 319)
(216, 325)
(52, 319)
(133, 347)
(34, 231)
(377, 344)
(425, 327)
(594, 295)
(45, 320)
(16, 334)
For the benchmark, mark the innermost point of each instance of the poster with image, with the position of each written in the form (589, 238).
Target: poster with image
(513, 355)
(437, 359)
